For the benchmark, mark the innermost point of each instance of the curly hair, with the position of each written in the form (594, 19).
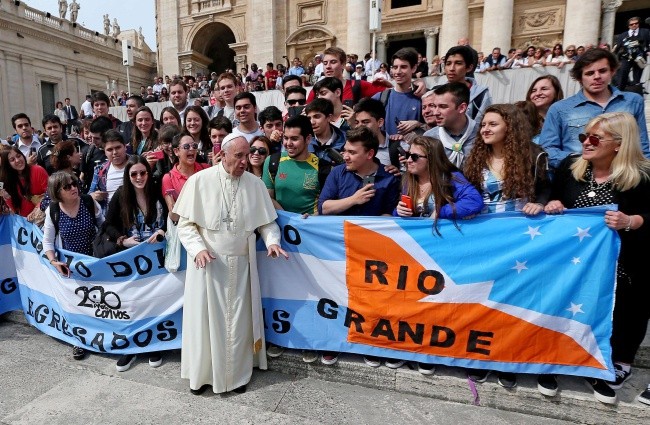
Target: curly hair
(518, 181)
(440, 171)
(61, 154)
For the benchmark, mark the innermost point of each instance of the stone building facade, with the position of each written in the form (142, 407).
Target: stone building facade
(215, 34)
(44, 59)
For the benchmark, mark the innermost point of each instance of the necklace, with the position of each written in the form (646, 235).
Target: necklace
(228, 218)
(594, 185)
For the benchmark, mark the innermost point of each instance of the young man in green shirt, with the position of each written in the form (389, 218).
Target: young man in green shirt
(293, 180)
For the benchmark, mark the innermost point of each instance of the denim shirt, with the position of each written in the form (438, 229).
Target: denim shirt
(567, 118)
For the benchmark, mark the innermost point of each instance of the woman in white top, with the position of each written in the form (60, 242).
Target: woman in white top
(556, 58)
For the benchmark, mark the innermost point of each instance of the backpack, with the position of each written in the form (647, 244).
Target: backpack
(55, 211)
(324, 168)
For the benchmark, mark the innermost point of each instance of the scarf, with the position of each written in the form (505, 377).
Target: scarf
(456, 147)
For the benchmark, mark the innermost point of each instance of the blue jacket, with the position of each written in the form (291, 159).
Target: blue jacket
(467, 199)
(567, 118)
(341, 184)
(318, 149)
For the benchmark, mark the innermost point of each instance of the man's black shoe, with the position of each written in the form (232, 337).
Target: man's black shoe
(200, 390)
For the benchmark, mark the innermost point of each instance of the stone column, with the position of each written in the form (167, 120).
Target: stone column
(382, 45)
(358, 40)
(609, 14)
(455, 23)
(430, 37)
(581, 22)
(497, 25)
(262, 32)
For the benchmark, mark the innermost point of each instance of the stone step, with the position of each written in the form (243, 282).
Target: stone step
(574, 401)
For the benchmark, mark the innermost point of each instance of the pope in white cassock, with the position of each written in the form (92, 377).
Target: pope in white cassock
(223, 333)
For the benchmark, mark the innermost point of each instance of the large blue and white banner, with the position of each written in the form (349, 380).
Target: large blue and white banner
(504, 291)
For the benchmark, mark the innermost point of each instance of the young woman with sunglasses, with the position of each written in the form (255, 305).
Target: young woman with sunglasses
(259, 151)
(24, 184)
(184, 150)
(73, 228)
(136, 214)
(434, 186)
(612, 170)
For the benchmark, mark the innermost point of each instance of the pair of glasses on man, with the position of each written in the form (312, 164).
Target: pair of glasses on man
(414, 156)
(70, 185)
(292, 102)
(188, 146)
(592, 138)
(135, 174)
(261, 151)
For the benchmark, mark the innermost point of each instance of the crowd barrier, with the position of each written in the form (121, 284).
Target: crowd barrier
(505, 86)
(503, 292)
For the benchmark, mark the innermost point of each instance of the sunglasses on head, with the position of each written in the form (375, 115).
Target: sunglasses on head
(188, 146)
(70, 185)
(135, 174)
(261, 151)
(592, 138)
(413, 156)
(298, 101)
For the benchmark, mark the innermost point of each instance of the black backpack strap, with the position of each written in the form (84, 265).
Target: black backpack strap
(383, 98)
(55, 215)
(478, 100)
(274, 163)
(356, 91)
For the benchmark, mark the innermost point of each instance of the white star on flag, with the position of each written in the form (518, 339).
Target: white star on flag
(532, 231)
(575, 309)
(583, 233)
(520, 266)
(576, 261)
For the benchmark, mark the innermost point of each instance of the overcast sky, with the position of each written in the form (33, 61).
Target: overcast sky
(130, 14)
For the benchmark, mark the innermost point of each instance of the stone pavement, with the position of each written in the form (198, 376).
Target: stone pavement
(41, 383)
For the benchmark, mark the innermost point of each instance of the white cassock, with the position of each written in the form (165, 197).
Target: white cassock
(223, 330)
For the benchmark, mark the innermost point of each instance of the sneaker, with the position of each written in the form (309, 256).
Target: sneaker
(426, 368)
(478, 375)
(372, 361)
(155, 359)
(394, 363)
(602, 391)
(78, 353)
(507, 380)
(621, 377)
(309, 356)
(274, 351)
(125, 362)
(644, 397)
(329, 357)
(547, 385)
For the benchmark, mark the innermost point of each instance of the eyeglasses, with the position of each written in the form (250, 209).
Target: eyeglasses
(570, 50)
(633, 23)
(294, 101)
(188, 146)
(70, 185)
(592, 138)
(135, 174)
(261, 151)
(413, 156)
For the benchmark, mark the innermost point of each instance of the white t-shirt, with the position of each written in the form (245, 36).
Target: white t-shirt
(87, 109)
(114, 179)
(248, 136)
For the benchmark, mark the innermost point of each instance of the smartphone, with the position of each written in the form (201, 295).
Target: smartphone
(397, 121)
(407, 200)
(349, 103)
(368, 180)
(157, 154)
(216, 148)
(401, 151)
(294, 111)
(32, 151)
